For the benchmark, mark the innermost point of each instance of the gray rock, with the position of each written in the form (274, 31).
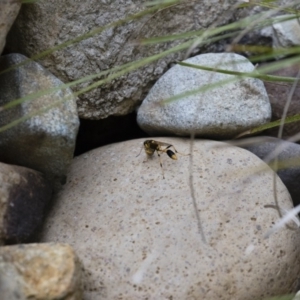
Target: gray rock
(45, 24)
(8, 12)
(297, 296)
(288, 161)
(221, 112)
(24, 195)
(284, 34)
(45, 140)
(39, 272)
(137, 236)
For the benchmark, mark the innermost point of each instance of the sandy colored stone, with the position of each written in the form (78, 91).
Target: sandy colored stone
(39, 272)
(137, 236)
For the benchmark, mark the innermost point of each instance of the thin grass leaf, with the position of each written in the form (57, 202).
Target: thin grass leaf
(290, 216)
(263, 53)
(285, 297)
(254, 74)
(268, 4)
(28, 1)
(160, 2)
(242, 23)
(288, 120)
(174, 37)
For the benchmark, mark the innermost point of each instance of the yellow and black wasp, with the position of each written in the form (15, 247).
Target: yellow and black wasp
(150, 146)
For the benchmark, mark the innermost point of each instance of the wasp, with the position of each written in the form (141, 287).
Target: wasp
(150, 146)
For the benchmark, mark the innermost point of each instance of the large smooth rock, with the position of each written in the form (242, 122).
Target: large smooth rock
(24, 196)
(137, 233)
(39, 272)
(45, 139)
(8, 12)
(45, 24)
(221, 112)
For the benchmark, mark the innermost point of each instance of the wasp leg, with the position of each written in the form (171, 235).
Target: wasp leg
(147, 157)
(140, 151)
(163, 174)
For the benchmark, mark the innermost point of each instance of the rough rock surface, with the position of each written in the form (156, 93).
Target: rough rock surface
(45, 139)
(8, 12)
(24, 195)
(223, 111)
(45, 24)
(136, 233)
(39, 272)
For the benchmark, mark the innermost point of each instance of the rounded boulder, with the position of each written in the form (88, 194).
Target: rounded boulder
(138, 235)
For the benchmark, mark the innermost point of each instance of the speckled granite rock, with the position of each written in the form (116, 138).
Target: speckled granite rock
(285, 33)
(45, 139)
(137, 235)
(44, 24)
(221, 112)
